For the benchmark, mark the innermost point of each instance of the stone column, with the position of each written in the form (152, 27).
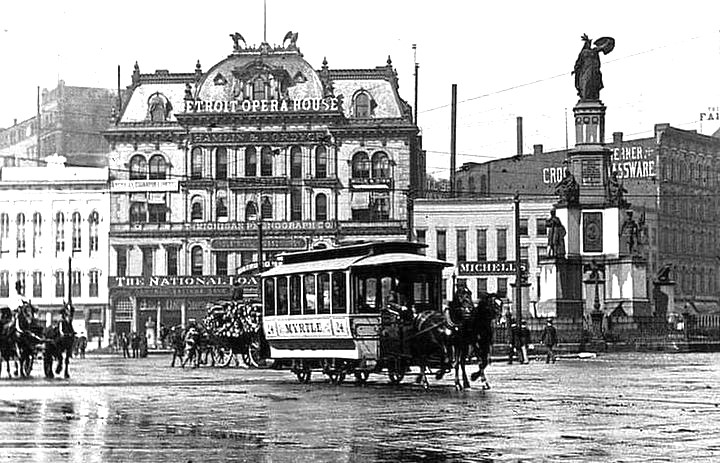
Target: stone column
(135, 324)
(158, 321)
(183, 313)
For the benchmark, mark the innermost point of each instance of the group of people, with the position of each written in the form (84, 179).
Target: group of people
(133, 345)
(520, 340)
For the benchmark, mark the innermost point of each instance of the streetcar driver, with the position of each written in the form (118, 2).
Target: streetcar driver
(397, 304)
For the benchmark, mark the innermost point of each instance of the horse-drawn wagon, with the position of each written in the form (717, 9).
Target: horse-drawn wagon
(365, 308)
(235, 328)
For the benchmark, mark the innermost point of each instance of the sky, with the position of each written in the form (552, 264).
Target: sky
(508, 59)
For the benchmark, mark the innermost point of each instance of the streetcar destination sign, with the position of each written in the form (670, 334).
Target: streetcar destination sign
(489, 268)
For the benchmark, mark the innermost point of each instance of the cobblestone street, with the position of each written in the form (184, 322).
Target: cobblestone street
(629, 407)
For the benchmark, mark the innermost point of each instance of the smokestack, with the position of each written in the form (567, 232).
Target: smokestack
(519, 137)
(453, 131)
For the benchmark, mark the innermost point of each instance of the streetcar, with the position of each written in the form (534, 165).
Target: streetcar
(325, 309)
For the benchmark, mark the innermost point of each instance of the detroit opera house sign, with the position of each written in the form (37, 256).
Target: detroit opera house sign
(263, 106)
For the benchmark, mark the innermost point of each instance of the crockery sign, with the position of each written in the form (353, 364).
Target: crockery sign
(489, 268)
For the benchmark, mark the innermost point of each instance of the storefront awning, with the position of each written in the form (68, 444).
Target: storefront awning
(360, 200)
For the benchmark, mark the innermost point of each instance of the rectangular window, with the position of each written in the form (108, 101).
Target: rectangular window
(269, 290)
(296, 204)
(310, 299)
(541, 252)
(20, 277)
(37, 284)
(147, 261)
(501, 245)
(421, 238)
(461, 245)
(502, 285)
(94, 280)
(121, 261)
(540, 227)
(60, 284)
(481, 285)
(157, 213)
(295, 295)
(20, 225)
(441, 244)
(523, 227)
(76, 284)
(282, 296)
(247, 257)
(338, 293)
(172, 260)
(524, 252)
(4, 283)
(481, 245)
(443, 291)
(221, 263)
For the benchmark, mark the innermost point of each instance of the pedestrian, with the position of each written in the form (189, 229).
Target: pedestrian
(549, 338)
(514, 341)
(135, 344)
(125, 344)
(524, 342)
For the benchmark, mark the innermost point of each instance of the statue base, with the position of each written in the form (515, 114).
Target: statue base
(626, 280)
(561, 283)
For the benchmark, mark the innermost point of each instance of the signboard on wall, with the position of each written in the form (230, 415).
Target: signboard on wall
(489, 268)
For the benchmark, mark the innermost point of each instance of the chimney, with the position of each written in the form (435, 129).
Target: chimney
(617, 137)
(660, 129)
(537, 149)
(519, 136)
(15, 122)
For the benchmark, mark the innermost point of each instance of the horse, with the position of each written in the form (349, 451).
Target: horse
(192, 347)
(7, 340)
(176, 335)
(430, 342)
(59, 344)
(473, 330)
(26, 336)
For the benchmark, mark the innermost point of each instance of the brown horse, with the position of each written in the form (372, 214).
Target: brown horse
(473, 326)
(431, 344)
(59, 343)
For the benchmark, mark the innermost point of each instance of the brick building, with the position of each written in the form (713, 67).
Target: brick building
(205, 159)
(671, 179)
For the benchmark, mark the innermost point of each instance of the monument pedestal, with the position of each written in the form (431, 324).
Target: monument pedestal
(561, 283)
(626, 286)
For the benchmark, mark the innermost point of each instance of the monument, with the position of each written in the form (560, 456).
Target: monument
(597, 269)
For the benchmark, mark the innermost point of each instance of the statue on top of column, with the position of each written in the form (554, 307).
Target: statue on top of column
(588, 78)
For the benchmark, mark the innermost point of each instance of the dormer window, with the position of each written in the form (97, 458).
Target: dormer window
(362, 105)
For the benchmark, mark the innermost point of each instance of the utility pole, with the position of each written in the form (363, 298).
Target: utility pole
(414, 47)
(518, 270)
(453, 133)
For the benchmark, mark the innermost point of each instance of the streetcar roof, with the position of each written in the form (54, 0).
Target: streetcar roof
(344, 263)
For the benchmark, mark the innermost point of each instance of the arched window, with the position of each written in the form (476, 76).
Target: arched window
(321, 162)
(321, 207)
(76, 232)
(158, 167)
(266, 162)
(295, 162)
(138, 168)
(196, 209)
(266, 209)
(93, 231)
(138, 212)
(196, 261)
(196, 163)
(59, 232)
(362, 105)
(251, 211)
(37, 232)
(20, 225)
(250, 161)
(221, 163)
(221, 209)
(380, 165)
(361, 165)
(296, 204)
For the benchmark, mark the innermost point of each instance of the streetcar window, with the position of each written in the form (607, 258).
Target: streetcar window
(309, 302)
(366, 295)
(386, 285)
(295, 295)
(338, 292)
(323, 282)
(282, 296)
(269, 297)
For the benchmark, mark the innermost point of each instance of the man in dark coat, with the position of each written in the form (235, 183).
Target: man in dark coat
(549, 338)
(524, 342)
(514, 341)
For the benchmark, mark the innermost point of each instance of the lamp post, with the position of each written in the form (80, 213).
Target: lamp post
(597, 315)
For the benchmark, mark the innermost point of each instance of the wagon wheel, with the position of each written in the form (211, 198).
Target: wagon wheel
(223, 356)
(337, 376)
(253, 354)
(303, 375)
(361, 377)
(396, 372)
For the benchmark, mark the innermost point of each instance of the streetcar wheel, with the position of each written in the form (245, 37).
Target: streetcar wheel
(396, 376)
(303, 376)
(361, 377)
(223, 356)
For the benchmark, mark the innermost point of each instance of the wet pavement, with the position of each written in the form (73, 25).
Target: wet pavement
(616, 407)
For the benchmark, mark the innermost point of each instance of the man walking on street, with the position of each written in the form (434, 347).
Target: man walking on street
(549, 338)
(125, 344)
(524, 342)
(514, 338)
